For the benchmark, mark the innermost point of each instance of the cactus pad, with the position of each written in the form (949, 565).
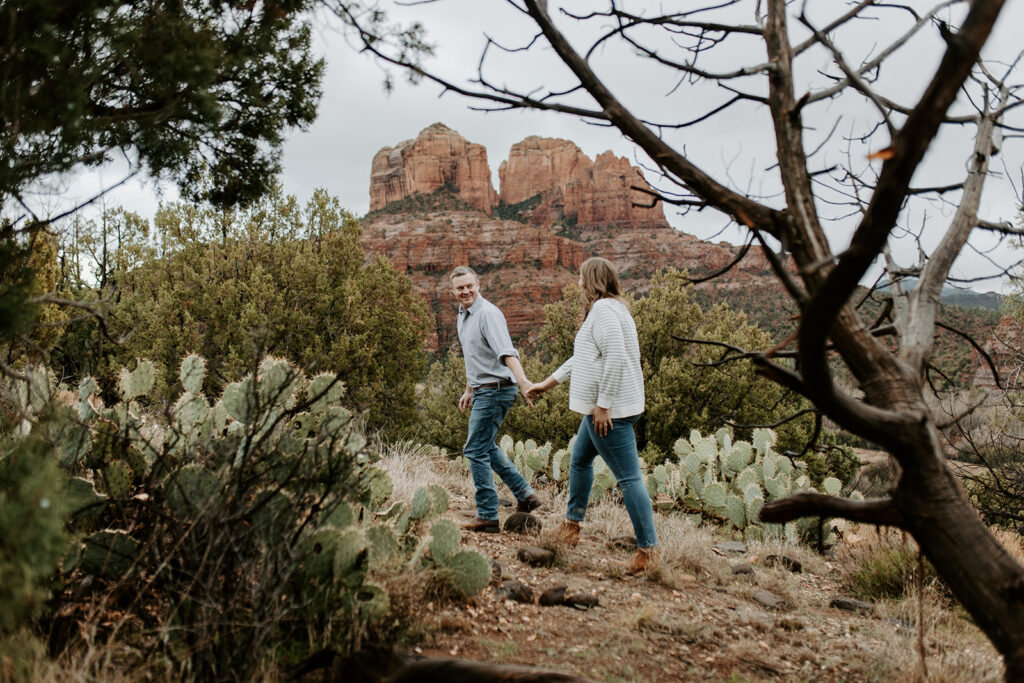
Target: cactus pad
(764, 439)
(190, 411)
(191, 489)
(275, 380)
(106, 443)
(467, 572)
(109, 553)
(350, 557)
(193, 371)
(240, 401)
(778, 486)
(714, 495)
(382, 543)
(738, 458)
(378, 487)
(736, 510)
(117, 479)
(317, 552)
(373, 602)
(334, 422)
(325, 389)
(832, 486)
(83, 502)
(421, 504)
(438, 499)
(134, 384)
(445, 540)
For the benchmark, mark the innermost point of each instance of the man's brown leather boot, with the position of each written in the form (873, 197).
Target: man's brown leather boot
(487, 526)
(529, 504)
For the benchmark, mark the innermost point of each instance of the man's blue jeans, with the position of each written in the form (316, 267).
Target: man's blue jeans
(618, 450)
(490, 406)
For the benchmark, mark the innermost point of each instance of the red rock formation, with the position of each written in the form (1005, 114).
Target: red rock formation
(525, 265)
(438, 156)
(571, 186)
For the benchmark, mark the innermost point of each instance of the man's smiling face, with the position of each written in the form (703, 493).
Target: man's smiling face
(465, 288)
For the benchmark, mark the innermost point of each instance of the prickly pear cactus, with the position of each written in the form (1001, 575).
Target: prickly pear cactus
(240, 401)
(467, 572)
(190, 490)
(350, 558)
(325, 389)
(84, 502)
(445, 540)
(193, 371)
(378, 487)
(731, 480)
(132, 385)
(117, 479)
(110, 553)
(421, 504)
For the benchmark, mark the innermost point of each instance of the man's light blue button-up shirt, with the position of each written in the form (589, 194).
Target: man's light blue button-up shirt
(485, 341)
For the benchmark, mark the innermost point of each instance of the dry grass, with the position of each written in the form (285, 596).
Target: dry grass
(412, 466)
(1011, 541)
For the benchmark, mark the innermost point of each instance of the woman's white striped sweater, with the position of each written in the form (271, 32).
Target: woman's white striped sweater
(605, 366)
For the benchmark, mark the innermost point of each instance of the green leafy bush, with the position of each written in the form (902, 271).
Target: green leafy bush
(32, 516)
(278, 279)
(687, 389)
(887, 571)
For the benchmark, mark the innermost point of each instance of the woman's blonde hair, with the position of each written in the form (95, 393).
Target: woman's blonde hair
(599, 280)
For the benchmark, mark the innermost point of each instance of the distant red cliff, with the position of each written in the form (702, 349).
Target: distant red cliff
(432, 207)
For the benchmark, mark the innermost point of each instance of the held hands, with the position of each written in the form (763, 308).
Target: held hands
(526, 386)
(537, 389)
(602, 421)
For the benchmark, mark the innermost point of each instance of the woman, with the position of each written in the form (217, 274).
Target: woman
(607, 388)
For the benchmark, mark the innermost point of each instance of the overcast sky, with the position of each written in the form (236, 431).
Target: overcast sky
(356, 118)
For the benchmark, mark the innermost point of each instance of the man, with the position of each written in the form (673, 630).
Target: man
(493, 372)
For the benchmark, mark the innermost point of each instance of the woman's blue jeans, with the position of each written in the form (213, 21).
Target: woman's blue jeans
(490, 406)
(618, 450)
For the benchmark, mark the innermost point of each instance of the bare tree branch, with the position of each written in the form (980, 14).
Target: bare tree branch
(881, 511)
(922, 301)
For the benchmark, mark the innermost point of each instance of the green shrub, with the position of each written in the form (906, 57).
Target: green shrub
(687, 389)
(32, 516)
(276, 279)
(888, 571)
(998, 494)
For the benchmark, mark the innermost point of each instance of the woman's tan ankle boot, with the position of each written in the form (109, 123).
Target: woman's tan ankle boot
(644, 560)
(568, 533)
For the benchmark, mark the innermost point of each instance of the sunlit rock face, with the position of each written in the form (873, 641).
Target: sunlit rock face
(437, 157)
(576, 190)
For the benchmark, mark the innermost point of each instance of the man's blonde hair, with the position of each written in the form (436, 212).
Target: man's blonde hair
(463, 270)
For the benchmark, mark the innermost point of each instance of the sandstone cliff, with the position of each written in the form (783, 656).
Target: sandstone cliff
(437, 157)
(557, 208)
(575, 189)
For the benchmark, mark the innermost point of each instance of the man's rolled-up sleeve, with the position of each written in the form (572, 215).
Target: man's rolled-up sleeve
(495, 331)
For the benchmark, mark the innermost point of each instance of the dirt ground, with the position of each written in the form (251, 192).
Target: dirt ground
(693, 619)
